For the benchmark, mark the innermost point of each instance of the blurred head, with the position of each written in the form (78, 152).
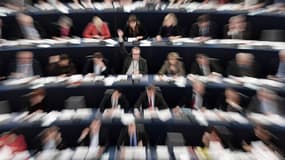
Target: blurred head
(24, 57)
(150, 90)
(202, 59)
(232, 95)
(97, 57)
(24, 19)
(116, 94)
(237, 22)
(64, 60)
(65, 22)
(262, 133)
(95, 126)
(244, 59)
(37, 95)
(136, 51)
(132, 129)
(266, 94)
(51, 134)
(97, 21)
(198, 87)
(282, 56)
(170, 20)
(203, 21)
(132, 21)
(172, 58)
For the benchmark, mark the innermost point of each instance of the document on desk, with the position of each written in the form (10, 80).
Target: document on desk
(80, 153)
(164, 114)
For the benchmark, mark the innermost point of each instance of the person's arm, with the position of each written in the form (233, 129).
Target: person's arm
(87, 33)
(88, 67)
(103, 103)
(105, 31)
(162, 103)
(139, 102)
(125, 103)
(163, 69)
(144, 69)
(194, 31)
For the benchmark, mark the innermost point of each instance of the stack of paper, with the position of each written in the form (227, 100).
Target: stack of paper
(162, 152)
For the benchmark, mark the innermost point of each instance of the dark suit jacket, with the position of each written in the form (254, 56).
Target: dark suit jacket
(158, 101)
(212, 31)
(235, 70)
(124, 138)
(107, 103)
(169, 31)
(196, 69)
(255, 105)
(103, 138)
(55, 70)
(36, 68)
(208, 101)
(89, 67)
(128, 60)
(16, 32)
(129, 33)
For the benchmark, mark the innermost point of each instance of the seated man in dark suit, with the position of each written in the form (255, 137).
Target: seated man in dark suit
(243, 65)
(133, 63)
(266, 102)
(61, 65)
(98, 65)
(26, 28)
(237, 28)
(95, 136)
(114, 99)
(37, 101)
(24, 66)
(150, 99)
(132, 135)
(199, 99)
(204, 66)
(203, 29)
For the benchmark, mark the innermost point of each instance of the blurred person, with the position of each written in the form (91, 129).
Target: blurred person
(37, 101)
(233, 101)
(26, 28)
(114, 100)
(18, 5)
(134, 28)
(264, 135)
(98, 65)
(51, 139)
(15, 141)
(169, 28)
(266, 102)
(24, 66)
(172, 66)
(204, 66)
(61, 65)
(243, 65)
(62, 28)
(150, 99)
(204, 28)
(237, 28)
(132, 135)
(198, 99)
(95, 136)
(84, 3)
(97, 29)
(212, 135)
(133, 62)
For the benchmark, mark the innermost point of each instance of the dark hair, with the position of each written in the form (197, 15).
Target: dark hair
(64, 57)
(203, 18)
(133, 18)
(98, 55)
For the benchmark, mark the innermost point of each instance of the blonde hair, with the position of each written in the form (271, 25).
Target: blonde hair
(98, 22)
(172, 17)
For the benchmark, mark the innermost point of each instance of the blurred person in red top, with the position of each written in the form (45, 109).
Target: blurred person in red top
(16, 142)
(97, 29)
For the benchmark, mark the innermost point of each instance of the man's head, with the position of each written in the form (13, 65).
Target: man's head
(202, 59)
(97, 57)
(266, 94)
(24, 57)
(203, 21)
(132, 128)
(136, 51)
(244, 59)
(282, 56)
(24, 19)
(150, 90)
(198, 87)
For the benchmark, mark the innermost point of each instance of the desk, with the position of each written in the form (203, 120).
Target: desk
(117, 19)
(93, 93)
(155, 55)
